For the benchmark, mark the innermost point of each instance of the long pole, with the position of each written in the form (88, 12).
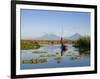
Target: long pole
(62, 35)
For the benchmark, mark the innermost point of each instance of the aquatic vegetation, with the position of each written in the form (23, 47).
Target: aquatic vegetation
(85, 53)
(47, 55)
(39, 52)
(35, 61)
(25, 45)
(26, 61)
(53, 58)
(83, 44)
(57, 58)
(75, 58)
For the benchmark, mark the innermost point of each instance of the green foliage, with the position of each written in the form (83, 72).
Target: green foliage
(25, 45)
(83, 44)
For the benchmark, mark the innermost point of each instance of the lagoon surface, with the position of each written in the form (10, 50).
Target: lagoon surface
(51, 57)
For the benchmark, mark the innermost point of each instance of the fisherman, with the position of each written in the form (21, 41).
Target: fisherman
(63, 47)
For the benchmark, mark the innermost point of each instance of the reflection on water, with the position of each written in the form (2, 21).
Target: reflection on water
(50, 57)
(58, 60)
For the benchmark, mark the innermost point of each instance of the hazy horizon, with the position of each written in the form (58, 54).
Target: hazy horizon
(36, 23)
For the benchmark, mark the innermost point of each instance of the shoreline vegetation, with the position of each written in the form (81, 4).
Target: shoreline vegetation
(26, 45)
(83, 44)
(36, 44)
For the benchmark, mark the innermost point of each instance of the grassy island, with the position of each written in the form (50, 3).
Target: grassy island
(25, 45)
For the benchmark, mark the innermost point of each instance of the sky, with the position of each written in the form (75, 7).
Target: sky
(36, 23)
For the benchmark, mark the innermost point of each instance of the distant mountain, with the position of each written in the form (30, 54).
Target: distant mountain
(76, 36)
(49, 37)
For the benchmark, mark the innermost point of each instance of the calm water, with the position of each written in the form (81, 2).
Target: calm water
(70, 58)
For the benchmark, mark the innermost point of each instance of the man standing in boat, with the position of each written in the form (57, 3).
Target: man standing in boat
(63, 47)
